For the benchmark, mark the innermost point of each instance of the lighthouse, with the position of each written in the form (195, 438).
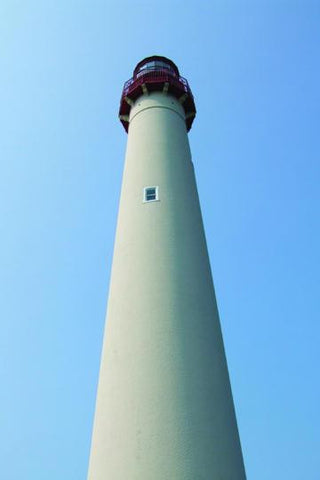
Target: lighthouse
(164, 408)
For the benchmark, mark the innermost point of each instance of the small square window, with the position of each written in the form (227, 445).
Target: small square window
(150, 194)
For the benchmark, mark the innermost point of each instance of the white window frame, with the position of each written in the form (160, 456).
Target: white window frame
(145, 194)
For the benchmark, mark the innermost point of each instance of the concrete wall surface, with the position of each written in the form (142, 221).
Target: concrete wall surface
(164, 405)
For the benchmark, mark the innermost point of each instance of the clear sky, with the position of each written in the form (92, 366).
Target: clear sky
(254, 69)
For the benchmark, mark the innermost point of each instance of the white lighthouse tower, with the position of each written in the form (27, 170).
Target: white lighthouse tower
(164, 406)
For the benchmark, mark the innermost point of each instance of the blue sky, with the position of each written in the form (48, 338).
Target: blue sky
(253, 67)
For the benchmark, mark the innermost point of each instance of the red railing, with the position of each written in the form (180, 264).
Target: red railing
(154, 75)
